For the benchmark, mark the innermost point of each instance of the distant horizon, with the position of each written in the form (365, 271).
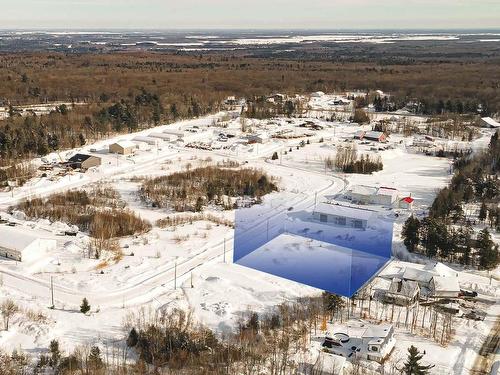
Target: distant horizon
(249, 29)
(255, 15)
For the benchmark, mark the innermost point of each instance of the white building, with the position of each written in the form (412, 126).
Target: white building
(362, 340)
(488, 122)
(341, 215)
(145, 139)
(179, 134)
(383, 196)
(439, 280)
(22, 245)
(162, 136)
(444, 287)
(378, 342)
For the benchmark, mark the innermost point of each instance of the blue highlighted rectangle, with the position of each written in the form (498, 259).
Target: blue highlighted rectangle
(334, 248)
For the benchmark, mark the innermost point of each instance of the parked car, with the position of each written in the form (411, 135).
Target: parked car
(467, 293)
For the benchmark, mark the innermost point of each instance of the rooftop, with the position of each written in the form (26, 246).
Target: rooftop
(15, 238)
(491, 122)
(345, 211)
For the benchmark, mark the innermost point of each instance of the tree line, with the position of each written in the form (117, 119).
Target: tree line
(448, 230)
(347, 160)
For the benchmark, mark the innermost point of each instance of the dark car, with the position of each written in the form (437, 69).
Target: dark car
(467, 293)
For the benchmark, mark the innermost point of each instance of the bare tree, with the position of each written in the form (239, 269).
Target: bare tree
(8, 309)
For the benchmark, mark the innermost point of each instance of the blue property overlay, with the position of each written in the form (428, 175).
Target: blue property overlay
(331, 246)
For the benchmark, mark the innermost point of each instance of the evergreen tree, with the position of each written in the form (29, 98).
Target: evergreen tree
(332, 303)
(84, 307)
(55, 354)
(488, 251)
(133, 338)
(275, 156)
(94, 358)
(253, 322)
(483, 211)
(412, 365)
(410, 233)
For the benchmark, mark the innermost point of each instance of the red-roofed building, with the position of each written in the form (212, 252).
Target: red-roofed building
(406, 202)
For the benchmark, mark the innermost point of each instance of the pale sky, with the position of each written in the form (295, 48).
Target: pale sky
(250, 14)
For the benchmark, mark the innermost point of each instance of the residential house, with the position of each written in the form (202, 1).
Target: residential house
(375, 136)
(359, 134)
(436, 279)
(444, 287)
(362, 340)
(402, 292)
(378, 342)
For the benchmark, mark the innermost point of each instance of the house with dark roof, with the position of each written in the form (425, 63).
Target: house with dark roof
(83, 161)
(402, 292)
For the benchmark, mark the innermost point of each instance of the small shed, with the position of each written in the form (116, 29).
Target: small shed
(22, 245)
(406, 203)
(122, 147)
(83, 161)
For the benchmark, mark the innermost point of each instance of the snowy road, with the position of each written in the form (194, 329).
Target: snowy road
(159, 283)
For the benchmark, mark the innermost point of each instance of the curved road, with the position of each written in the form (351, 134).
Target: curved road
(159, 283)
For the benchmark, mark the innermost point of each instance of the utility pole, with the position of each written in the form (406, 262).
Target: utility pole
(52, 291)
(224, 256)
(175, 275)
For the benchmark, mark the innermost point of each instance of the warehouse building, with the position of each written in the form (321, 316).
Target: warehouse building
(23, 245)
(123, 147)
(345, 216)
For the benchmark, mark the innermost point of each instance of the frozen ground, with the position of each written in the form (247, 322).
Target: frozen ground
(218, 292)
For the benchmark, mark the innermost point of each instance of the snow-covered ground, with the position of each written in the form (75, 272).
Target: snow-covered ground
(200, 254)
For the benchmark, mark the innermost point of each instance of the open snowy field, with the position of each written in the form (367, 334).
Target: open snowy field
(190, 266)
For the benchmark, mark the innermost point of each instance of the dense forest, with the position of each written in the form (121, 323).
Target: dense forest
(191, 190)
(122, 92)
(447, 233)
